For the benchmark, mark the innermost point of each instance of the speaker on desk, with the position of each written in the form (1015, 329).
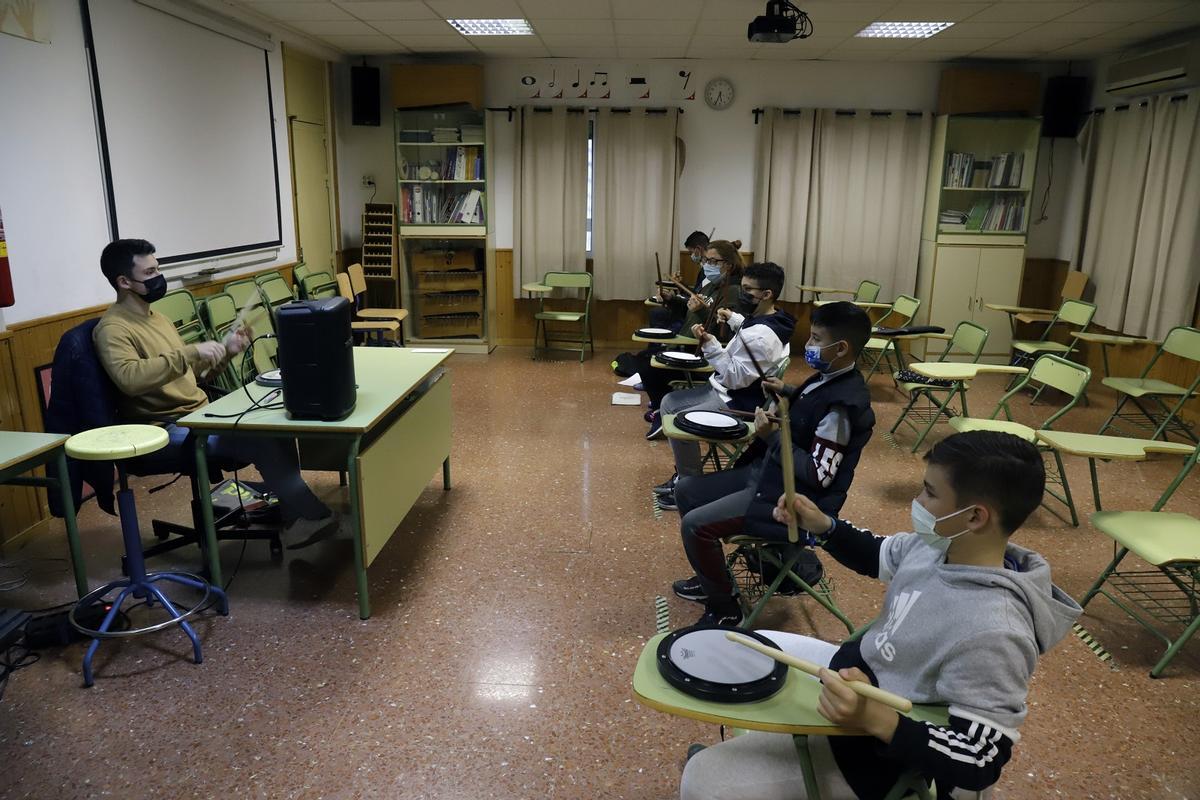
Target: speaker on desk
(316, 358)
(364, 96)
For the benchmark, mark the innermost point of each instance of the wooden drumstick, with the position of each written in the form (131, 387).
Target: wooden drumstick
(861, 688)
(749, 414)
(789, 467)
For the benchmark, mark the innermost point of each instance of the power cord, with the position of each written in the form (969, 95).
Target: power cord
(1042, 217)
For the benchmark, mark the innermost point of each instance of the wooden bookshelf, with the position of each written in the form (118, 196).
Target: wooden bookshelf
(379, 240)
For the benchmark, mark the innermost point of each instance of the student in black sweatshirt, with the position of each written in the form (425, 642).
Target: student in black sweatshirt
(831, 421)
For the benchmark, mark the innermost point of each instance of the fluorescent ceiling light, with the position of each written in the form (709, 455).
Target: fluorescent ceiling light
(902, 30)
(492, 27)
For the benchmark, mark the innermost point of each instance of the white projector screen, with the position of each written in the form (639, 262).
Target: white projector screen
(185, 120)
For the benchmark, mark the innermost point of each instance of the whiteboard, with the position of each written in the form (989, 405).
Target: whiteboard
(187, 133)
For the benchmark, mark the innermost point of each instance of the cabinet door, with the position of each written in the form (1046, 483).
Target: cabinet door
(952, 298)
(1000, 271)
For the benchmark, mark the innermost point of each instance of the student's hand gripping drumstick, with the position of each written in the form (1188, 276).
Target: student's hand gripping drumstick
(861, 688)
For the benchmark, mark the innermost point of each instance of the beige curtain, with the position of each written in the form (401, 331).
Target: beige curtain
(782, 189)
(1140, 245)
(634, 181)
(549, 194)
(866, 199)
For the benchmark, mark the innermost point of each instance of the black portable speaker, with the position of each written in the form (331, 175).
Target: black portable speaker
(364, 96)
(1064, 107)
(316, 358)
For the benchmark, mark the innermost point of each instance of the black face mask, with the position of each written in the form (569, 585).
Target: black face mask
(155, 287)
(747, 303)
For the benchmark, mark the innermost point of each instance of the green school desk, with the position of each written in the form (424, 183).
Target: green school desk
(397, 435)
(21, 452)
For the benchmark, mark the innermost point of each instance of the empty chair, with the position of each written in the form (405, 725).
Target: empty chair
(1147, 394)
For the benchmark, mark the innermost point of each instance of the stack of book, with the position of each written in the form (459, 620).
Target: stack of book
(436, 205)
(951, 220)
(472, 133)
(1006, 171)
(410, 135)
(1002, 214)
(445, 134)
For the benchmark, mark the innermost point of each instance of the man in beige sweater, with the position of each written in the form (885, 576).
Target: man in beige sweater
(155, 374)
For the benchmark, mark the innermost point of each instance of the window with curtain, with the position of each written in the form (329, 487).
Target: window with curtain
(840, 193)
(1139, 242)
(633, 204)
(549, 193)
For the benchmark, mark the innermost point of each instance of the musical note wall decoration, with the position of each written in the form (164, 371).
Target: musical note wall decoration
(603, 83)
(575, 85)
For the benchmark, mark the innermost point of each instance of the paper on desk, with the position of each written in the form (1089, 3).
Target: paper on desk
(626, 399)
(632, 380)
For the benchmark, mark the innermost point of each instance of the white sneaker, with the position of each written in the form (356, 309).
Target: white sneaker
(303, 532)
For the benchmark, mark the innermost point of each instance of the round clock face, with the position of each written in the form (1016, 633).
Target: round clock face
(718, 93)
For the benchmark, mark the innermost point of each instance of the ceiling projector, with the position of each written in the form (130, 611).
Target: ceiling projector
(781, 23)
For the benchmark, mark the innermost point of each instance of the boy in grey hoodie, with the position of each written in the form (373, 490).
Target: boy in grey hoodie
(964, 620)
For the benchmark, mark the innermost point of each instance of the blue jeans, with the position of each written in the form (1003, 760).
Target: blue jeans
(275, 459)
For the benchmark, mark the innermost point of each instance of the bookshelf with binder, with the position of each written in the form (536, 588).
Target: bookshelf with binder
(442, 215)
(978, 202)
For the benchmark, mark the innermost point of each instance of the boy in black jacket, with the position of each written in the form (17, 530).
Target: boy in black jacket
(965, 618)
(831, 421)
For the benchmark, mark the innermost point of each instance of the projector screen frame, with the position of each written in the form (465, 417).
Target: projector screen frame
(106, 163)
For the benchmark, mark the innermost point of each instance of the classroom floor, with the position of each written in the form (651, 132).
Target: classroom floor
(508, 614)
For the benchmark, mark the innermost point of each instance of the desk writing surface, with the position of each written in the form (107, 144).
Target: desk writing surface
(385, 376)
(793, 709)
(956, 371)
(1019, 309)
(17, 446)
(1110, 338)
(1110, 448)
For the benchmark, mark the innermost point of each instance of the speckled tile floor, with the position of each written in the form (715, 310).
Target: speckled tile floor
(508, 614)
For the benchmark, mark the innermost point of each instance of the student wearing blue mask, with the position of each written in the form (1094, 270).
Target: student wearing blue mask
(831, 421)
(966, 616)
(674, 305)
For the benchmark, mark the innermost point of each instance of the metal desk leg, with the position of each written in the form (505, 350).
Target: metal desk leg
(68, 504)
(811, 790)
(446, 474)
(1095, 484)
(360, 569)
(206, 512)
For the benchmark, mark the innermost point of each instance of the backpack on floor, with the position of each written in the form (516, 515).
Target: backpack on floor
(625, 365)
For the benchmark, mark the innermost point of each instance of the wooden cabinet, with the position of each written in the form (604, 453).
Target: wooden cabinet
(977, 207)
(964, 278)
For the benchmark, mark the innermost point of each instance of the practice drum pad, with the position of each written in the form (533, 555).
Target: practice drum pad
(701, 662)
(675, 358)
(656, 333)
(710, 424)
(271, 377)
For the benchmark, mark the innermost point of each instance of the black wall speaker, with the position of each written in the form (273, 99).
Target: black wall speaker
(1064, 107)
(316, 358)
(364, 96)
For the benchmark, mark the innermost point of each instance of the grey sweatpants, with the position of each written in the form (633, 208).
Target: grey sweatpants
(699, 398)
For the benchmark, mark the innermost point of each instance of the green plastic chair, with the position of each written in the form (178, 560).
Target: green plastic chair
(1073, 315)
(258, 318)
(902, 311)
(968, 340)
(275, 291)
(318, 286)
(219, 312)
(1049, 370)
(1167, 594)
(180, 307)
(868, 292)
(565, 280)
(1147, 394)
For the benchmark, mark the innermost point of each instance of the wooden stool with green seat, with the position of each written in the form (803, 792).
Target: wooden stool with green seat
(1049, 370)
(564, 280)
(1168, 592)
(1183, 342)
(899, 314)
(967, 340)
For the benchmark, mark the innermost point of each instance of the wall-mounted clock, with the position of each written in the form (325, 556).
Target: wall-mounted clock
(718, 93)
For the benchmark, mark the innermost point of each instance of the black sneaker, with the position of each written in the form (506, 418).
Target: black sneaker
(666, 501)
(667, 487)
(690, 589)
(729, 617)
(655, 431)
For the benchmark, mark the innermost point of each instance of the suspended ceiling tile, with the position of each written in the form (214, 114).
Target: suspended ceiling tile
(433, 44)
(413, 27)
(566, 9)
(1127, 11)
(656, 9)
(983, 30)
(1080, 30)
(827, 11)
(1025, 12)
(345, 27)
(295, 12)
(745, 10)
(379, 10)
(592, 40)
(1185, 13)
(477, 9)
(577, 52)
(650, 53)
(655, 27)
(580, 27)
(931, 12)
(364, 45)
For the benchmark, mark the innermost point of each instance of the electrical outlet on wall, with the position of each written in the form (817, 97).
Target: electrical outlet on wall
(368, 181)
